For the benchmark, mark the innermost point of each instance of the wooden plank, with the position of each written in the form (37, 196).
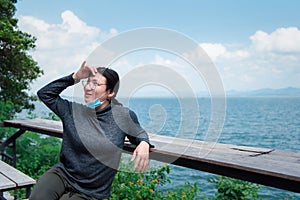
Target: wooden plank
(200, 149)
(5, 183)
(15, 175)
(269, 160)
(47, 127)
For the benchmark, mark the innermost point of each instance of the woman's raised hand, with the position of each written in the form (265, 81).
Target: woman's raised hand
(84, 72)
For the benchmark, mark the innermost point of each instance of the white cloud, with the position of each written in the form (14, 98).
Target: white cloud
(213, 50)
(282, 40)
(271, 60)
(72, 32)
(217, 51)
(60, 48)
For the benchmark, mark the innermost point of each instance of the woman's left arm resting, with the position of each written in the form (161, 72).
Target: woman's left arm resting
(141, 156)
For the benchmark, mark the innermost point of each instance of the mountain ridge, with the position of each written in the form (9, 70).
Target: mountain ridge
(287, 91)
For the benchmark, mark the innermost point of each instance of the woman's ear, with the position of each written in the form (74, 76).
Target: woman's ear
(110, 94)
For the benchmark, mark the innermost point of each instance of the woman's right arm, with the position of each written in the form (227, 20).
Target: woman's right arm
(49, 95)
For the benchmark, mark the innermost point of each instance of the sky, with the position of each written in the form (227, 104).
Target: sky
(252, 44)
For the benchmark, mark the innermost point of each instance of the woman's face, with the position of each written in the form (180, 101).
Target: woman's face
(95, 88)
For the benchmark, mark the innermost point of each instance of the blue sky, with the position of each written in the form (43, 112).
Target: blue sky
(254, 44)
(226, 21)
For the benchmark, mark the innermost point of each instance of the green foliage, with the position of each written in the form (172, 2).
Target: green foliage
(36, 154)
(5, 109)
(129, 185)
(17, 68)
(229, 189)
(4, 114)
(187, 191)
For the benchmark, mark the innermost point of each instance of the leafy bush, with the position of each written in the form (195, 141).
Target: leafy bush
(186, 191)
(229, 189)
(129, 185)
(35, 154)
(5, 110)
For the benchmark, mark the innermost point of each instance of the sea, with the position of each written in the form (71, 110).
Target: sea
(269, 122)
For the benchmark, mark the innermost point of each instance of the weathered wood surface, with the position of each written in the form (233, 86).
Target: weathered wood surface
(270, 167)
(11, 178)
(5, 183)
(47, 127)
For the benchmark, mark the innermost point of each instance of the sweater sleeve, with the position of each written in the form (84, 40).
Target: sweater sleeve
(136, 133)
(50, 95)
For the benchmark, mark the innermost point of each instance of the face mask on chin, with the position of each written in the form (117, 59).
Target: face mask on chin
(95, 103)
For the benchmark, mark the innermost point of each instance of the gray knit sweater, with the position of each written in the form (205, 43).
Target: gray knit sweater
(92, 141)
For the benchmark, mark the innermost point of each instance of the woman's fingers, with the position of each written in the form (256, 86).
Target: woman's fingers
(141, 157)
(83, 64)
(141, 161)
(85, 71)
(143, 165)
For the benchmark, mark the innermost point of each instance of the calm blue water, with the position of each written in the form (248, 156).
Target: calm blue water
(271, 122)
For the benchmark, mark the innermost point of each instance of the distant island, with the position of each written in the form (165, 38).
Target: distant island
(266, 92)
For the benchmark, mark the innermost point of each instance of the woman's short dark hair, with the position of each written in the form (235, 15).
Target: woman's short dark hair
(112, 81)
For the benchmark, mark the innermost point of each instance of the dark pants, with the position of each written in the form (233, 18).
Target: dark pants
(52, 185)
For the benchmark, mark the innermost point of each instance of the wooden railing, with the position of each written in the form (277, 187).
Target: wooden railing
(271, 167)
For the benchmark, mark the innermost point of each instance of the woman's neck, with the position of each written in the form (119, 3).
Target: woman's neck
(103, 105)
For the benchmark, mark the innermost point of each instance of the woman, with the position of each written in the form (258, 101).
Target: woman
(93, 137)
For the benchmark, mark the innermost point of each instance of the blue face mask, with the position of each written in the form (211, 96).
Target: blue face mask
(95, 103)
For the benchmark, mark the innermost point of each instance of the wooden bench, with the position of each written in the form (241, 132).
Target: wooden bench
(271, 167)
(11, 179)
